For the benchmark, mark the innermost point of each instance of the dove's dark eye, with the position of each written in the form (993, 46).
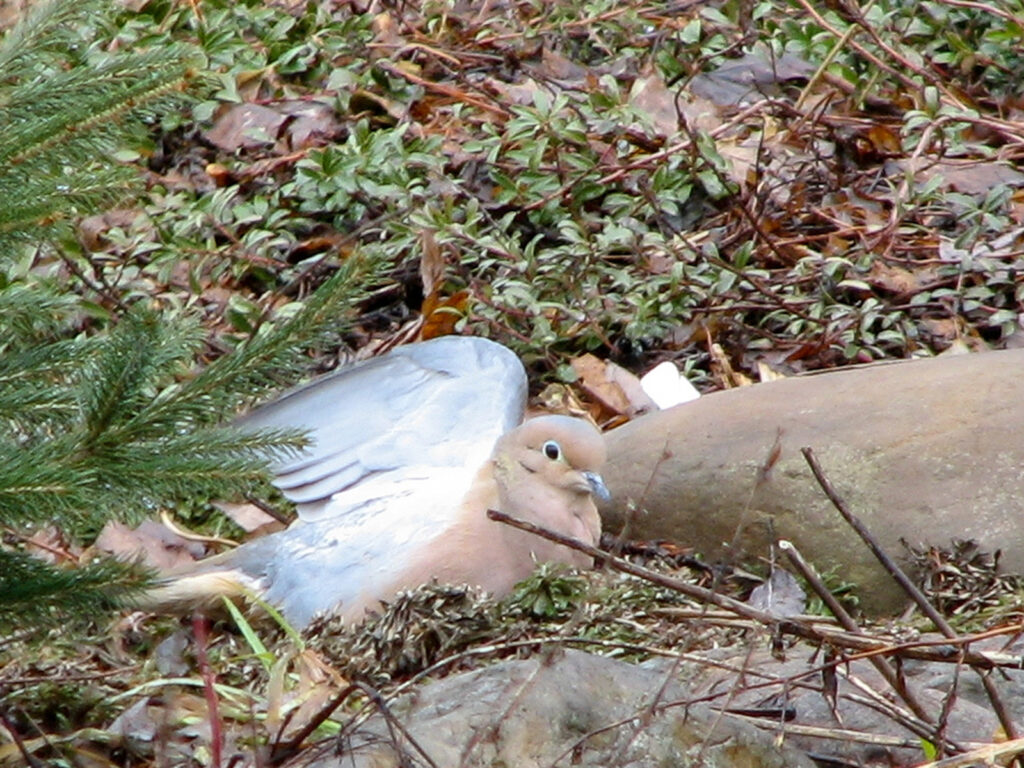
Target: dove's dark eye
(552, 450)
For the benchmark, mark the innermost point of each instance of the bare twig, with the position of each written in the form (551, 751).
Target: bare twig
(882, 665)
(200, 630)
(947, 650)
(905, 583)
(987, 754)
(30, 760)
(282, 750)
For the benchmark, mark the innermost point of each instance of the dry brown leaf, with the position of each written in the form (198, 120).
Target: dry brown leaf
(520, 93)
(362, 101)
(781, 595)
(1016, 206)
(766, 373)
(651, 96)
(618, 391)
(631, 386)
(728, 377)
(91, 230)
(386, 34)
(946, 328)
(555, 66)
(431, 264)
(743, 156)
(594, 381)
(969, 177)
(900, 280)
(151, 542)
(311, 123)
(559, 398)
(249, 517)
(749, 78)
(245, 126)
(318, 683)
(440, 316)
(700, 114)
(884, 139)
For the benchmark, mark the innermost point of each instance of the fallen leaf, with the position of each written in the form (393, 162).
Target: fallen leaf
(521, 93)
(899, 280)
(971, 177)
(766, 373)
(386, 34)
(559, 398)
(651, 96)
(728, 377)
(431, 264)
(441, 315)
(311, 123)
(780, 596)
(249, 517)
(245, 126)
(91, 229)
(151, 542)
(618, 391)
(749, 78)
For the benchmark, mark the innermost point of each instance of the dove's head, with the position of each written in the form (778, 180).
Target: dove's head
(551, 460)
(561, 451)
(547, 474)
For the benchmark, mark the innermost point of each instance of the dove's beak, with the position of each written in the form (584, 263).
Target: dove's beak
(597, 486)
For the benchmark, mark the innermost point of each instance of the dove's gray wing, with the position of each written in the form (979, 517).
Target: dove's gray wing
(388, 426)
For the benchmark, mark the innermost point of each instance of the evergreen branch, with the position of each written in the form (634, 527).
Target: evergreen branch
(86, 108)
(32, 314)
(27, 407)
(42, 202)
(84, 480)
(43, 480)
(44, 30)
(135, 360)
(64, 109)
(201, 464)
(34, 591)
(277, 355)
(36, 372)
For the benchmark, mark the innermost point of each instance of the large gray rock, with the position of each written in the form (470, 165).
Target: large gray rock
(925, 451)
(560, 709)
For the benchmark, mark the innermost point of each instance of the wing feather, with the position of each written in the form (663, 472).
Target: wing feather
(382, 427)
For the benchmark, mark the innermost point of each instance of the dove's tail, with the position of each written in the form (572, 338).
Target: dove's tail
(197, 591)
(202, 586)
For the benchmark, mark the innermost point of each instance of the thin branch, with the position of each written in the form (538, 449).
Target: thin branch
(1005, 720)
(809, 628)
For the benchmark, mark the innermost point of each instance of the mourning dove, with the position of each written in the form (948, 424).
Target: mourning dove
(408, 452)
